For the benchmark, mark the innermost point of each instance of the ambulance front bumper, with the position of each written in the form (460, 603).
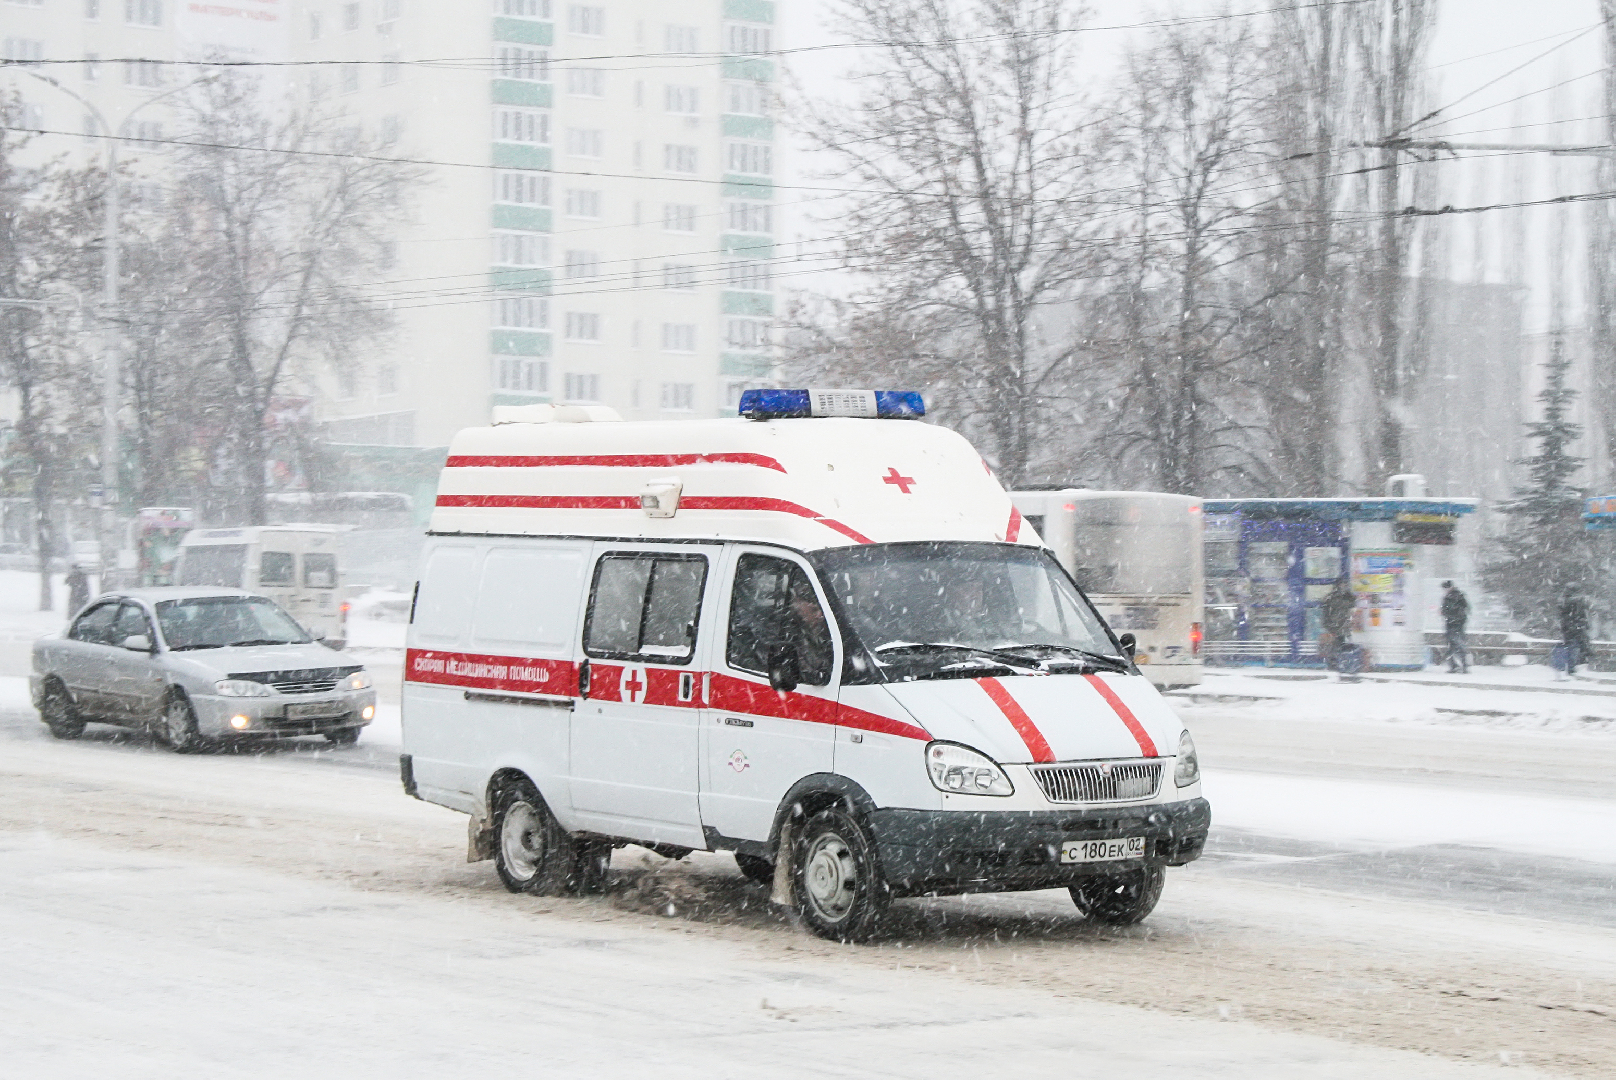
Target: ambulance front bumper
(942, 851)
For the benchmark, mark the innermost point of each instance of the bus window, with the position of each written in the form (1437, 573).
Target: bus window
(319, 570)
(1134, 547)
(213, 564)
(276, 568)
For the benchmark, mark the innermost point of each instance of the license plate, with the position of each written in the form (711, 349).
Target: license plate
(314, 711)
(1123, 847)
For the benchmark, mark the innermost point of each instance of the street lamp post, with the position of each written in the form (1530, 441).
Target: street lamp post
(112, 373)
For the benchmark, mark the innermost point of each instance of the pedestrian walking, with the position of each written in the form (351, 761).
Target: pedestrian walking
(1335, 616)
(1574, 629)
(78, 589)
(1455, 613)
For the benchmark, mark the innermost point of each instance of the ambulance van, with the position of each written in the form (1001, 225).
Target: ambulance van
(818, 636)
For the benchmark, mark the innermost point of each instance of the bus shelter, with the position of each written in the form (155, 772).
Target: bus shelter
(1271, 562)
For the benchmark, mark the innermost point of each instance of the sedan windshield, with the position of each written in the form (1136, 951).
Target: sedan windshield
(939, 610)
(216, 622)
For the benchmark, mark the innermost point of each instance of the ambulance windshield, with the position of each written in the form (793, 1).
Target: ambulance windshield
(946, 609)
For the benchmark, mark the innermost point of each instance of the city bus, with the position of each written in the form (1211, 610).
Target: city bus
(1138, 555)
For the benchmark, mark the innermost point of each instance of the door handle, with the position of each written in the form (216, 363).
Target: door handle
(583, 679)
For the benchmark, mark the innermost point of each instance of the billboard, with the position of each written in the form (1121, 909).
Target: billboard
(234, 29)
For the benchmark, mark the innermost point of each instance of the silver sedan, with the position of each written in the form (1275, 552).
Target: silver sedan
(195, 666)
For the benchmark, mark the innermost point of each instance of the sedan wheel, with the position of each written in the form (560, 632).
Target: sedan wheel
(179, 726)
(59, 715)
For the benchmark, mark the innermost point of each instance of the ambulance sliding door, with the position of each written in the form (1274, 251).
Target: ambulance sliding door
(756, 743)
(634, 757)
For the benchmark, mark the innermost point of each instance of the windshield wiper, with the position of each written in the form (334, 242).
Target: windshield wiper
(1010, 660)
(264, 641)
(1115, 662)
(184, 648)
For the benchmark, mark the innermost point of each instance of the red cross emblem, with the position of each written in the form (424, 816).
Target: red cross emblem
(632, 686)
(897, 479)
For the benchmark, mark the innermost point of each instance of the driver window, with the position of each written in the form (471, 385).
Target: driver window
(772, 605)
(95, 625)
(131, 621)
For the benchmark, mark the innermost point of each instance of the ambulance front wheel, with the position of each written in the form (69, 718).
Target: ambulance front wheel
(1120, 899)
(836, 879)
(532, 852)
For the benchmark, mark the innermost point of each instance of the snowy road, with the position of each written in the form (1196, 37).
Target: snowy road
(181, 914)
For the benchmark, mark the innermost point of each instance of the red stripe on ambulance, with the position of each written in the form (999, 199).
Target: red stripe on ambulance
(608, 461)
(1013, 712)
(518, 674)
(1135, 728)
(632, 502)
(1013, 530)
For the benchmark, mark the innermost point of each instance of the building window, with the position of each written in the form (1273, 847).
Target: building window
(521, 375)
(580, 387)
(733, 392)
(316, 25)
(681, 99)
(680, 159)
(390, 129)
(148, 133)
(387, 379)
(521, 249)
(516, 62)
(679, 217)
(391, 10)
(92, 8)
(754, 158)
(582, 264)
(348, 79)
(586, 82)
(92, 67)
(681, 39)
(525, 188)
(679, 337)
(584, 19)
(678, 276)
(347, 383)
(585, 142)
(522, 125)
(583, 204)
(678, 396)
(391, 68)
(25, 114)
(746, 334)
(526, 9)
(750, 274)
(582, 326)
(743, 40)
(148, 73)
(755, 217)
(26, 50)
(521, 312)
(92, 127)
(746, 99)
(143, 12)
(350, 17)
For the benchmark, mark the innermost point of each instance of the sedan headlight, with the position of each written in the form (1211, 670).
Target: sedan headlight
(1188, 769)
(959, 770)
(241, 688)
(359, 680)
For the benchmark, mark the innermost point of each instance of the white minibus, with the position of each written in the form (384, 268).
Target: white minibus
(297, 566)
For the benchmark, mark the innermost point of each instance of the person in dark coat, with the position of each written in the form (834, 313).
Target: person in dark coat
(1335, 616)
(1455, 614)
(78, 589)
(1574, 629)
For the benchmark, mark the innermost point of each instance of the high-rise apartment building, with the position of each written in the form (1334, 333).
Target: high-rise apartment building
(598, 215)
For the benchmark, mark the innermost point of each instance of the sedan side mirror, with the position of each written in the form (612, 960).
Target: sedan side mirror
(1130, 645)
(138, 643)
(784, 670)
(334, 643)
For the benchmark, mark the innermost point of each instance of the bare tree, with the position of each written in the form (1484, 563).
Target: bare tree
(976, 219)
(284, 218)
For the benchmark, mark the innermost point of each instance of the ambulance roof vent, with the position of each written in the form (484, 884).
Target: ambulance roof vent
(792, 404)
(553, 414)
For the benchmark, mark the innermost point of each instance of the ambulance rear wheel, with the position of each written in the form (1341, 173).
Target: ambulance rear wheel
(532, 852)
(758, 870)
(1120, 899)
(835, 878)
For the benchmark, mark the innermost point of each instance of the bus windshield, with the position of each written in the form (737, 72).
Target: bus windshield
(1133, 547)
(955, 609)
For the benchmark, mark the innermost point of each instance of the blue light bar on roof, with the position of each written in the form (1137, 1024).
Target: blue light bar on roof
(793, 404)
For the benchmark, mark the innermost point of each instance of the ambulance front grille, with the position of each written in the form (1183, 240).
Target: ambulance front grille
(1101, 781)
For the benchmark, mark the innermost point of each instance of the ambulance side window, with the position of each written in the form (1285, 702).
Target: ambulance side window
(773, 606)
(275, 568)
(645, 607)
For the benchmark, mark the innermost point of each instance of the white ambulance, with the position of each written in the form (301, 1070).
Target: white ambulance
(819, 636)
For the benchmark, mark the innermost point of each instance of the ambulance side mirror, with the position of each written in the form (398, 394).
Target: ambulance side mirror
(1129, 645)
(784, 669)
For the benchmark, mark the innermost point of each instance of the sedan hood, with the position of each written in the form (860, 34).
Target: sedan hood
(255, 659)
(1029, 718)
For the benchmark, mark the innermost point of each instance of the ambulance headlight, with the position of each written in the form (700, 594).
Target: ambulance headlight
(359, 680)
(241, 688)
(1188, 769)
(959, 770)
